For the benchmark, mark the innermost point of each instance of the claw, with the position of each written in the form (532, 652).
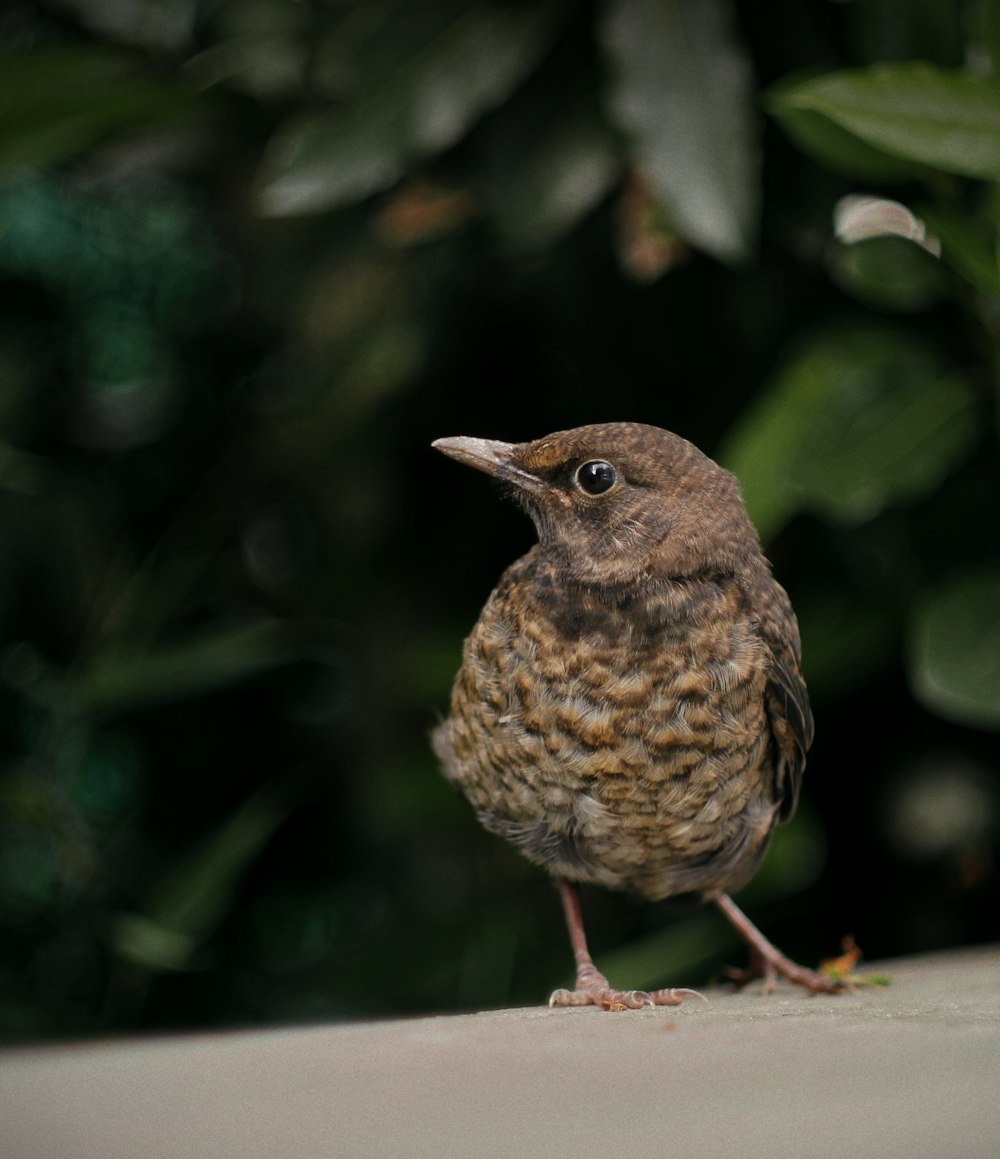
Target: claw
(675, 996)
(598, 994)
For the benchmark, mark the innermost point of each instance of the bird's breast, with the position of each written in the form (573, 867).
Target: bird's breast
(625, 736)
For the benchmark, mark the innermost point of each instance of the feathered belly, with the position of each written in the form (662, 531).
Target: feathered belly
(649, 776)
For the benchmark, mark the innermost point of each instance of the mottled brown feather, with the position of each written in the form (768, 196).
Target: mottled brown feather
(630, 709)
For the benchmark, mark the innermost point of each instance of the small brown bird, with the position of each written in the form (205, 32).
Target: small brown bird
(630, 710)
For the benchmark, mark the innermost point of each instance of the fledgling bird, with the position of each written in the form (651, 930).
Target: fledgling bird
(630, 710)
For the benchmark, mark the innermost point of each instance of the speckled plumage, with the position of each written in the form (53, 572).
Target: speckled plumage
(630, 710)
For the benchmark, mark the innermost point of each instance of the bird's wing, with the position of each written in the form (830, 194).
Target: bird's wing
(791, 724)
(786, 698)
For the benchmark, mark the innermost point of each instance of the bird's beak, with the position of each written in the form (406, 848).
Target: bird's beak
(491, 456)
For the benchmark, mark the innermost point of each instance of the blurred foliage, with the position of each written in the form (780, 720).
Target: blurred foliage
(255, 255)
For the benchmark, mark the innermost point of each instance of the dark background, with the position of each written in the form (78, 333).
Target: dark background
(254, 257)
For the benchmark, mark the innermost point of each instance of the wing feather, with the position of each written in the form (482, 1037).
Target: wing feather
(786, 698)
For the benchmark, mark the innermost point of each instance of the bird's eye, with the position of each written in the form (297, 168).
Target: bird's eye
(595, 477)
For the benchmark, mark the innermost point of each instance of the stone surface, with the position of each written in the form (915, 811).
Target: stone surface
(909, 1071)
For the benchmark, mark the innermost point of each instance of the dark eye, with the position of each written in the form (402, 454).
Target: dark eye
(596, 477)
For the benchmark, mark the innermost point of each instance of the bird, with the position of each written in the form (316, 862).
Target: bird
(630, 710)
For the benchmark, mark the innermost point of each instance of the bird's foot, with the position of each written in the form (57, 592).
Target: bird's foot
(768, 962)
(593, 989)
(609, 999)
(771, 965)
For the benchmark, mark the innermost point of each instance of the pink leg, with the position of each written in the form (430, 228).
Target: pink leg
(592, 988)
(766, 960)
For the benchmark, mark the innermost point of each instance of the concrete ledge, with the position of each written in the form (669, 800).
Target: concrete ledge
(910, 1071)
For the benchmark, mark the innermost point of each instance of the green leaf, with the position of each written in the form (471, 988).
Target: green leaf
(119, 680)
(968, 246)
(857, 420)
(58, 102)
(889, 273)
(682, 90)
(461, 62)
(954, 650)
(544, 183)
(194, 897)
(939, 117)
(162, 28)
(832, 146)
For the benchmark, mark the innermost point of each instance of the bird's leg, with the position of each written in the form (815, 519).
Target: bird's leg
(592, 988)
(766, 960)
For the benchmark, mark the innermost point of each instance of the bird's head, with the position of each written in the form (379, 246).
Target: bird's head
(621, 503)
